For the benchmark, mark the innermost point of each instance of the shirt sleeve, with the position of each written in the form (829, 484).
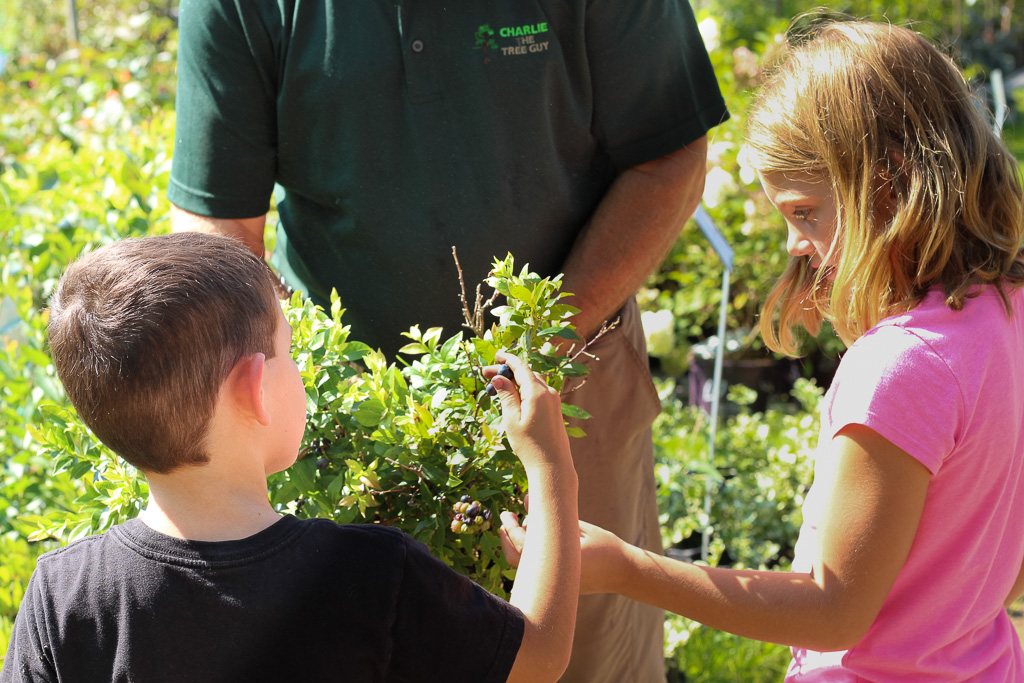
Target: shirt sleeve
(29, 658)
(654, 87)
(448, 626)
(893, 382)
(225, 134)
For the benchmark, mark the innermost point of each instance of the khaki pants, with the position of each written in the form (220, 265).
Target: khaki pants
(618, 640)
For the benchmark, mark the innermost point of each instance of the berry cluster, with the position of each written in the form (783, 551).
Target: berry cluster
(506, 372)
(470, 516)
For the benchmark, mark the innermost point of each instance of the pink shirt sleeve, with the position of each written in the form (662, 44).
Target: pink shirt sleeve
(892, 381)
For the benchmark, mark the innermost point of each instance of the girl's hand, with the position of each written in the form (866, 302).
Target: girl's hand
(603, 560)
(512, 537)
(604, 555)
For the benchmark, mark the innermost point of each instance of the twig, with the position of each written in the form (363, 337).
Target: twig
(475, 320)
(462, 290)
(605, 329)
(414, 470)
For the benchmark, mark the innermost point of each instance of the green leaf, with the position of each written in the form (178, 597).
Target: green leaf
(415, 348)
(369, 412)
(570, 410)
(302, 473)
(521, 293)
(435, 474)
(575, 369)
(354, 350)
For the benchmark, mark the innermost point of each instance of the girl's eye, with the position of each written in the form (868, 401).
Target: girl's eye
(802, 214)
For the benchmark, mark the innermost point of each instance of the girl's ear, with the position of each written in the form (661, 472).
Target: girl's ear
(250, 387)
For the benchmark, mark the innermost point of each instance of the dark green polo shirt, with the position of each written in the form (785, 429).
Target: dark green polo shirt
(395, 130)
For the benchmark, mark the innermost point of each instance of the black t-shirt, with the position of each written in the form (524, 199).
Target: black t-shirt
(305, 600)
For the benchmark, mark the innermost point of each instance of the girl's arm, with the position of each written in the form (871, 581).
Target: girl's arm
(875, 501)
(1018, 588)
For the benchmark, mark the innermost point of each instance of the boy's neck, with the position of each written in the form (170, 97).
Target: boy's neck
(195, 504)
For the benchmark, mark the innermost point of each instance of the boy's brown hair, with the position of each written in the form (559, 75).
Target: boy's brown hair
(144, 331)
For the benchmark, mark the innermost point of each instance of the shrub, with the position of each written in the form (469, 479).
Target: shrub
(384, 444)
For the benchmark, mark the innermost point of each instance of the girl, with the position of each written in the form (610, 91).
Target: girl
(905, 215)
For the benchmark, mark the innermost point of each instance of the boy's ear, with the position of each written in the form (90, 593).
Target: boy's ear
(248, 387)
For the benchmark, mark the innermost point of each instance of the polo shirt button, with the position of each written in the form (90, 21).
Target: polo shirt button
(417, 45)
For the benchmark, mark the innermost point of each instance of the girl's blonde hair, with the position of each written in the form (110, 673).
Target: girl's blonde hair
(927, 193)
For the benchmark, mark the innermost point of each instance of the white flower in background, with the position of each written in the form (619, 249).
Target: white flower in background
(131, 90)
(709, 32)
(717, 151)
(645, 296)
(747, 173)
(734, 342)
(717, 185)
(660, 331)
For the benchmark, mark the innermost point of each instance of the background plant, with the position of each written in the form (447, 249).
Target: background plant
(759, 477)
(86, 132)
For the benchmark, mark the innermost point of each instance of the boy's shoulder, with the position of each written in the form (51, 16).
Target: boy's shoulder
(132, 544)
(362, 584)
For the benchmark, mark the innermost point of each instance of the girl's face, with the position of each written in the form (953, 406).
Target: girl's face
(807, 203)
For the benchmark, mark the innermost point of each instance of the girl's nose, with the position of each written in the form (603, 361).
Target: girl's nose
(797, 244)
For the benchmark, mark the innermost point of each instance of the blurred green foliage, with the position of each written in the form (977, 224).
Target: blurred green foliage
(86, 132)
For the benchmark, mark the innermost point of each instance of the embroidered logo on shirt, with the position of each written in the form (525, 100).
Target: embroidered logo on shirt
(485, 42)
(515, 40)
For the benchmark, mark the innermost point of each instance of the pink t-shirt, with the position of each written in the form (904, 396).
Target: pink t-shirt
(947, 387)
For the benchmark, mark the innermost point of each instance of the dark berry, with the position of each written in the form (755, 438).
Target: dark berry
(491, 391)
(473, 510)
(323, 463)
(465, 499)
(505, 371)
(487, 515)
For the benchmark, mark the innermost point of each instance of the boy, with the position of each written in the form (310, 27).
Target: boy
(175, 352)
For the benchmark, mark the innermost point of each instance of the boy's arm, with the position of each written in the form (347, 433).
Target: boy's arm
(547, 582)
